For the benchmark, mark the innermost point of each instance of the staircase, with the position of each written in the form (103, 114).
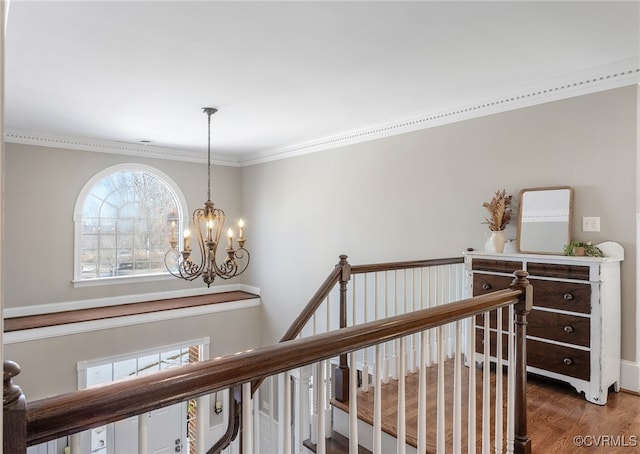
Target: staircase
(339, 442)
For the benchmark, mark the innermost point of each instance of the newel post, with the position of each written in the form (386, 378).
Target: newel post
(522, 442)
(14, 437)
(341, 388)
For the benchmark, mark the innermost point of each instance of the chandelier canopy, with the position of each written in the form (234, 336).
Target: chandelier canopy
(208, 224)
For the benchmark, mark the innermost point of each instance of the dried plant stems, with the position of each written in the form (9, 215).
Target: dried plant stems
(499, 211)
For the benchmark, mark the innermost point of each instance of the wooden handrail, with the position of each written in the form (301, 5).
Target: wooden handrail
(65, 414)
(313, 304)
(391, 266)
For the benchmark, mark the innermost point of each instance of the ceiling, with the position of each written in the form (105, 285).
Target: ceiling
(293, 77)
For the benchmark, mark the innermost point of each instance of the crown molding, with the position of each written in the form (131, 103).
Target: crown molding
(113, 147)
(615, 75)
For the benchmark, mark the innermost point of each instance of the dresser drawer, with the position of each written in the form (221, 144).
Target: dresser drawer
(496, 266)
(487, 283)
(559, 359)
(555, 358)
(566, 296)
(570, 329)
(559, 271)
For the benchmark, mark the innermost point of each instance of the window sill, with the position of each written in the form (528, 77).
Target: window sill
(118, 280)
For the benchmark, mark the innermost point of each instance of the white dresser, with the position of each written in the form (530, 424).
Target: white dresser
(573, 330)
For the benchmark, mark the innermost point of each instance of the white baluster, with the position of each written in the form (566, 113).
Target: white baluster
(486, 387)
(440, 437)
(285, 420)
(511, 383)
(75, 443)
(396, 343)
(315, 373)
(143, 433)
(273, 432)
(366, 351)
(305, 408)
(322, 428)
(328, 315)
(498, 403)
(201, 412)
(414, 307)
(247, 418)
(457, 391)
(402, 424)
(422, 395)
(471, 434)
(429, 294)
(386, 314)
(377, 403)
(353, 404)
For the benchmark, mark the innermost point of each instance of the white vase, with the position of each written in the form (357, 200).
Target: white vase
(496, 242)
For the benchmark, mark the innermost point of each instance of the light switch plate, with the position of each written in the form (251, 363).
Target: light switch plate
(591, 224)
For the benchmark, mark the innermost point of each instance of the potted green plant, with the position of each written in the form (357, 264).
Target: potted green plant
(579, 248)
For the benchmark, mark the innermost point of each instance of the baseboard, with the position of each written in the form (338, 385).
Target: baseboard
(630, 376)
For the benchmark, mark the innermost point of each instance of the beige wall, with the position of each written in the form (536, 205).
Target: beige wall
(419, 195)
(41, 188)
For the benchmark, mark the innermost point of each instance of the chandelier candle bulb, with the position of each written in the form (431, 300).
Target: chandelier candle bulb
(241, 230)
(209, 229)
(230, 243)
(187, 234)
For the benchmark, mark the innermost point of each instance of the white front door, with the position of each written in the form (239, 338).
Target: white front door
(167, 429)
(166, 432)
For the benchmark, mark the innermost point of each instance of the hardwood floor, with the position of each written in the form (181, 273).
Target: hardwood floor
(559, 419)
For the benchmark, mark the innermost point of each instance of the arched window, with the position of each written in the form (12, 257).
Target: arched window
(125, 217)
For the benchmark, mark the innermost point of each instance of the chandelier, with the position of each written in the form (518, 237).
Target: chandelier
(208, 225)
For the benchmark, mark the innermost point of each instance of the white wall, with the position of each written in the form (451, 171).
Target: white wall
(419, 195)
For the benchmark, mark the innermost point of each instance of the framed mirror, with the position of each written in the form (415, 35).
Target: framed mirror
(544, 220)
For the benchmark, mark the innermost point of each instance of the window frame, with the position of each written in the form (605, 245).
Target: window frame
(78, 281)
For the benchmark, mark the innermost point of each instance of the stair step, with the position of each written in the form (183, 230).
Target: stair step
(336, 444)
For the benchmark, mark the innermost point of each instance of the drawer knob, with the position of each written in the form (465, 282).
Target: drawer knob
(486, 286)
(567, 296)
(568, 329)
(567, 361)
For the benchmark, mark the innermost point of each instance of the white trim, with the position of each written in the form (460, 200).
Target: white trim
(630, 376)
(83, 365)
(118, 322)
(114, 147)
(117, 280)
(65, 306)
(615, 75)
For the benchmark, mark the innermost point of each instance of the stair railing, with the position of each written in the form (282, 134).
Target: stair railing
(425, 290)
(62, 415)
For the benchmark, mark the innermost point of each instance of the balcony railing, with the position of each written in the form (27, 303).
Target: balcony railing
(397, 319)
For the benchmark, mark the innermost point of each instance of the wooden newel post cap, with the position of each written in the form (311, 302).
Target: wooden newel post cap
(521, 282)
(11, 391)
